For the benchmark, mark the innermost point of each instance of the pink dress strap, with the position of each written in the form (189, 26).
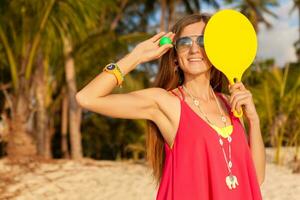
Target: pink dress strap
(180, 90)
(182, 94)
(174, 93)
(225, 102)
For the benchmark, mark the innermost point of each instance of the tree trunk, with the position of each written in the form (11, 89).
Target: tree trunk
(20, 140)
(116, 20)
(163, 15)
(74, 109)
(171, 13)
(279, 127)
(48, 136)
(64, 126)
(41, 114)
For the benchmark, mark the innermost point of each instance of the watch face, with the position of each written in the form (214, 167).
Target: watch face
(111, 67)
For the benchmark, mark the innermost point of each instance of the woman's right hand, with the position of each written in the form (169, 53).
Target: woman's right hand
(150, 50)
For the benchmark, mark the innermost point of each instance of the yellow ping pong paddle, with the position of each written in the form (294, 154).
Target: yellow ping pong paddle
(230, 43)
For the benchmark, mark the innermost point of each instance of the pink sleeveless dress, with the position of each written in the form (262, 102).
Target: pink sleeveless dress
(195, 169)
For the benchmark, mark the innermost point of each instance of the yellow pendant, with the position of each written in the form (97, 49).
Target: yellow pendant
(224, 131)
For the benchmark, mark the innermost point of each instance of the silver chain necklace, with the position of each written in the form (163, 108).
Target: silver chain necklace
(231, 180)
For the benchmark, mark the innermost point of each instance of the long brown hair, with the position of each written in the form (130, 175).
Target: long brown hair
(169, 79)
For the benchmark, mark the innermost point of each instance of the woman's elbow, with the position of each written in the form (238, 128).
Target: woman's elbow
(81, 100)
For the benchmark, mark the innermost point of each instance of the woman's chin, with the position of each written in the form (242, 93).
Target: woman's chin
(198, 68)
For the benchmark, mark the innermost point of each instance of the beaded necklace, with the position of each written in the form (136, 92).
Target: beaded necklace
(231, 180)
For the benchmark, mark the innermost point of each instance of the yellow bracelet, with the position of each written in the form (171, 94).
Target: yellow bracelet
(114, 69)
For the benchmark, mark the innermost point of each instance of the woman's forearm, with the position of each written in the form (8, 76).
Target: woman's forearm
(104, 83)
(257, 149)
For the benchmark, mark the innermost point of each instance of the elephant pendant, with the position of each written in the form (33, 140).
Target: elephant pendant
(231, 181)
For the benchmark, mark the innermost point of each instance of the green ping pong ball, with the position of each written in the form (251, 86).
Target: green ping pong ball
(165, 40)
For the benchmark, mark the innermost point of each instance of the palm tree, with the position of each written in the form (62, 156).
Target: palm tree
(39, 21)
(191, 6)
(254, 10)
(20, 52)
(194, 6)
(74, 108)
(276, 96)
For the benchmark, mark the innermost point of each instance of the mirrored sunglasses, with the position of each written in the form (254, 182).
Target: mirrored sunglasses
(185, 43)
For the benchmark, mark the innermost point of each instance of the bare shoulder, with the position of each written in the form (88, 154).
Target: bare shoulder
(151, 93)
(160, 95)
(165, 100)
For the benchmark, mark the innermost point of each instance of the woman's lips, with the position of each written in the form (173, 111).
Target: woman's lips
(195, 59)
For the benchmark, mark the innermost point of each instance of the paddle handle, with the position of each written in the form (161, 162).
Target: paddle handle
(238, 115)
(235, 112)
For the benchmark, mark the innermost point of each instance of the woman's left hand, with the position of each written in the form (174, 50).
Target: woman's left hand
(239, 97)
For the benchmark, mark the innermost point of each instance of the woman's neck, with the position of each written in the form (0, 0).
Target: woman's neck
(199, 88)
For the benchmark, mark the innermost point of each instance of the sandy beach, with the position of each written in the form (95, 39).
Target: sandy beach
(102, 180)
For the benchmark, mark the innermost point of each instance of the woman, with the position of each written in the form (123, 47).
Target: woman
(197, 148)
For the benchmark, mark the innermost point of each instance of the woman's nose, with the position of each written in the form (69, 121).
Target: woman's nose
(195, 47)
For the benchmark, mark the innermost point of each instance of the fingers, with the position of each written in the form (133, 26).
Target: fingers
(172, 36)
(169, 34)
(237, 93)
(156, 37)
(239, 100)
(164, 48)
(236, 86)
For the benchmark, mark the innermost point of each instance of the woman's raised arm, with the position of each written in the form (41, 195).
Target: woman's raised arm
(141, 104)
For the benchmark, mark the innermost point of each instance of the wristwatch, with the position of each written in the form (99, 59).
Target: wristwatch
(114, 69)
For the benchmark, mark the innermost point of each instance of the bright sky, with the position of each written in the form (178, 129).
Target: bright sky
(279, 41)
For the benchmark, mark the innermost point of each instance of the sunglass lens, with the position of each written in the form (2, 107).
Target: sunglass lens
(200, 41)
(183, 43)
